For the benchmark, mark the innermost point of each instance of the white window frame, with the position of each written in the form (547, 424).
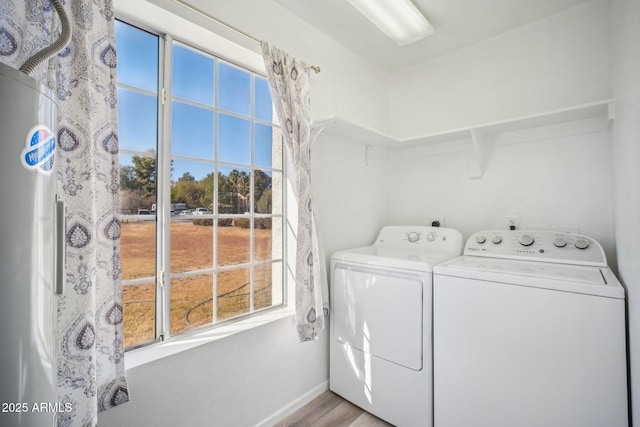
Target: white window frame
(248, 61)
(164, 188)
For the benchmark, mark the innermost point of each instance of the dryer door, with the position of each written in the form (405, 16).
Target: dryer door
(379, 312)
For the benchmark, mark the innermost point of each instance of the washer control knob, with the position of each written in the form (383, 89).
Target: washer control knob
(525, 239)
(481, 239)
(581, 243)
(431, 237)
(560, 242)
(496, 239)
(413, 237)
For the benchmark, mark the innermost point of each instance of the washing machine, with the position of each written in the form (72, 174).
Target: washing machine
(529, 330)
(380, 345)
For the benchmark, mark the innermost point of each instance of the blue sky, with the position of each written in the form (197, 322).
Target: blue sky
(137, 57)
(193, 97)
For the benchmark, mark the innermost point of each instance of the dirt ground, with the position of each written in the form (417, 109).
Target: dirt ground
(192, 296)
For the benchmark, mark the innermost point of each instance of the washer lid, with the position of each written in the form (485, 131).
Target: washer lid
(569, 278)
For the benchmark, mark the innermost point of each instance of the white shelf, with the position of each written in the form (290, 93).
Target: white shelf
(596, 110)
(337, 126)
(590, 117)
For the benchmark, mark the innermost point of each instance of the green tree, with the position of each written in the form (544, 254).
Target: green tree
(223, 183)
(189, 192)
(138, 183)
(262, 191)
(187, 177)
(233, 192)
(128, 178)
(239, 181)
(264, 204)
(145, 172)
(207, 183)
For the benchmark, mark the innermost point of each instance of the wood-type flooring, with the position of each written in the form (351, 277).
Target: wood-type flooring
(331, 410)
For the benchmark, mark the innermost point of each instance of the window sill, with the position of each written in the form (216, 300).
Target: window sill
(174, 345)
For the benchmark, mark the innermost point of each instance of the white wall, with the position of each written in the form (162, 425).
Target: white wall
(558, 62)
(237, 381)
(565, 181)
(625, 54)
(350, 192)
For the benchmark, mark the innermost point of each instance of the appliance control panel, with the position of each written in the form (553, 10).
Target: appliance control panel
(548, 246)
(419, 237)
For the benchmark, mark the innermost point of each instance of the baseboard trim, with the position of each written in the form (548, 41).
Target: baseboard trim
(295, 405)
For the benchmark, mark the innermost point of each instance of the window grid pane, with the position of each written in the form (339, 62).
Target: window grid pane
(139, 306)
(137, 120)
(234, 139)
(192, 130)
(137, 52)
(234, 89)
(191, 299)
(193, 75)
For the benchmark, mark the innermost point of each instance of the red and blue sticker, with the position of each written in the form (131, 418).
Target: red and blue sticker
(39, 153)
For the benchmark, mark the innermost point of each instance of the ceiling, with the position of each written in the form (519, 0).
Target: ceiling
(458, 23)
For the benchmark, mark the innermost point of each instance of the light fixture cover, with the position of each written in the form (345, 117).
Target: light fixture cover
(400, 20)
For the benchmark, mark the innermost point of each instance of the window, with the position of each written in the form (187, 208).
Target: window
(201, 188)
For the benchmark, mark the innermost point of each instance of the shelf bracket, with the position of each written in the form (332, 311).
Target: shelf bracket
(477, 160)
(315, 133)
(611, 114)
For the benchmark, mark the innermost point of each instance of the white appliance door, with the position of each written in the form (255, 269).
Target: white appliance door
(508, 355)
(28, 305)
(379, 312)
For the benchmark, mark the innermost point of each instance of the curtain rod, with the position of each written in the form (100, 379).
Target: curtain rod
(315, 68)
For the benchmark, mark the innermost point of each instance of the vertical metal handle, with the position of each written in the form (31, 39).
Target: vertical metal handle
(60, 245)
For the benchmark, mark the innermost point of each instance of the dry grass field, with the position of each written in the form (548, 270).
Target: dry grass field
(192, 296)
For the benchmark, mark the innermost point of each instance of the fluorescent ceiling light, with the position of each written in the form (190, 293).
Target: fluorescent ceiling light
(400, 20)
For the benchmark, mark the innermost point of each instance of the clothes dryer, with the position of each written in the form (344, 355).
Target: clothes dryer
(529, 330)
(381, 300)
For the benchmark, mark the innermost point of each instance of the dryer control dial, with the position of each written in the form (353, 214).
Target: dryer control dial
(560, 242)
(413, 237)
(480, 239)
(496, 239)
(526, 239)
(581, 243)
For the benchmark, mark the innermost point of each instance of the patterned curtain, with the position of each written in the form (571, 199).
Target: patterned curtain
(83, 77)
(289, 81)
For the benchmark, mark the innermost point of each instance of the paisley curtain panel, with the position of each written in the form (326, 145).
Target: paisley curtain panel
(82, 77)
(289, 81)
